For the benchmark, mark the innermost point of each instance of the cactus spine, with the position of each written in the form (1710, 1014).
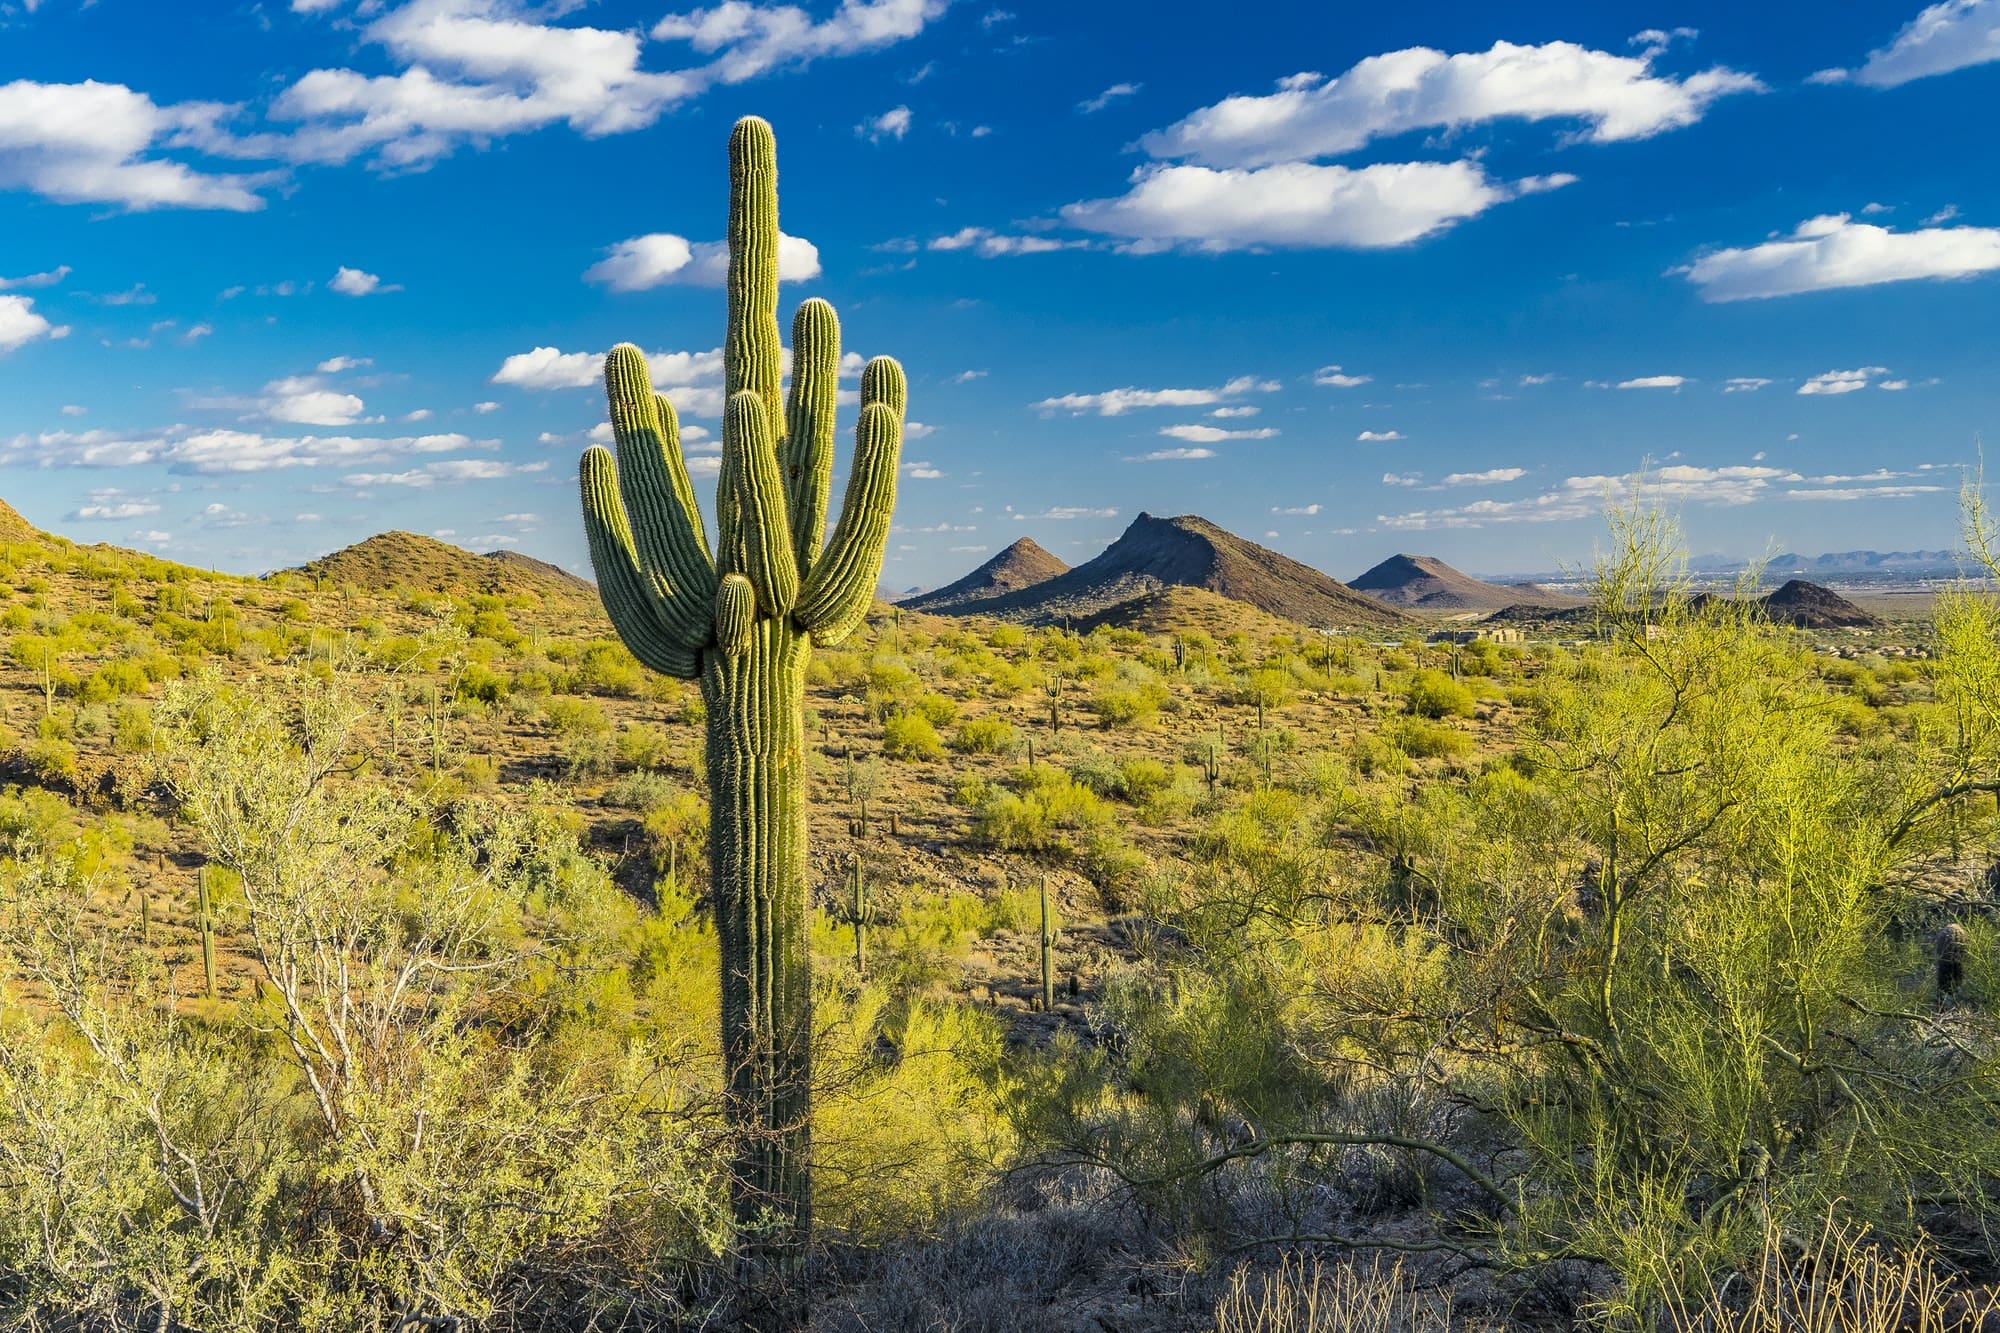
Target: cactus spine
(1051, 936)
(742, 618)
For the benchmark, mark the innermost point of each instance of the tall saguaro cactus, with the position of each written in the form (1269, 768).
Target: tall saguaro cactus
(742, 617)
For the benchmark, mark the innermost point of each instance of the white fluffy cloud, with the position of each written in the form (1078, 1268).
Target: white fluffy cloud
(1117, 402)
(746, 39)
(1652, 382)
(353, 282)
(475, 70)
(1334, 377)
(661, 258)
(19, 323)
(1744, 384)
(110, 506)
(303, 400)
(692, 379)
(891, 124)
(1616, 96)
(1297, 205)
(1834, 251)
(1378, 436)
(1490, 477)
(1585, 496)
(1851, 381)
(1092, 105)
(32, 280)
(444, 471)
(103, 143)
(1944, 37)
(185, 449)
(1170, 456)
(1065, 513)
(1216, 434)
(991, 245)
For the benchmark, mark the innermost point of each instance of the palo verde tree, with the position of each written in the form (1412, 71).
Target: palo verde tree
(742, 617)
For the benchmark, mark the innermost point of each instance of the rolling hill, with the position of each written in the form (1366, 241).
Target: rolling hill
(1188, 552)
(1425, 583)
(1809, 606)
(406, 559)
(1022, 565)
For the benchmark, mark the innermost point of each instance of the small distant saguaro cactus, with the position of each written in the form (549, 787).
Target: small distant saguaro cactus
(860, 915)
(1051, 936)
(742, 617)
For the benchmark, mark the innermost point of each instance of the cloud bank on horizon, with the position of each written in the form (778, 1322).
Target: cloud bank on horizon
(339, 269)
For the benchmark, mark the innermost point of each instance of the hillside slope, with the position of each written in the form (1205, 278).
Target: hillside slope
(1809, 606)
(1187, 552)
(1425, 583)
(406, 559)
(1022, 565)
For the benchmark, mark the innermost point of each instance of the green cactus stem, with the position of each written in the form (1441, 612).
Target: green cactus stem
(743, 617)
(205, 923)
(1051, 936)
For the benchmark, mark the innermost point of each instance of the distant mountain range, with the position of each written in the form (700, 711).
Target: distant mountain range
(1833, 564)
(1154, 554)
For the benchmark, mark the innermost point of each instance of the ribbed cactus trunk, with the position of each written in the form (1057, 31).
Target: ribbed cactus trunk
(757, 849)
(742, 619)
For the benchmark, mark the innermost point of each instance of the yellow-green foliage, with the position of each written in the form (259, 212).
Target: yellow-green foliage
(911, 736)
(985, 735)
(1433, 694)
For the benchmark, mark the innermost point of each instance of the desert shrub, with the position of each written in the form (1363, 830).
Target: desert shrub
(1420, 739)
(1433, 694)
(132, 729)
(917, 1118)
(1128, 703)
(51, 759)
(479, 772)
(645, 745)
(1269, 686)
(678, 825)
(607, 666)
(643, 792)
(1045, 810)
(911, 736)
(481, 682)
(935, 709)
(984, 735)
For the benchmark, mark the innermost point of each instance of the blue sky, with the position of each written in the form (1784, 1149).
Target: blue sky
(278, 275)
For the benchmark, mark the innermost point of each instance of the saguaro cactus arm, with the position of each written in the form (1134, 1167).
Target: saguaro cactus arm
(841, 586)
(659, 623)
(751, 459)
(807, 453)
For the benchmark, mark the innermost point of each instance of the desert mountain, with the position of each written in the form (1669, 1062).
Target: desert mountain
(1190, 552)
(1425, 583)
(1809, 606)
(405, 559)
(1022, 565)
